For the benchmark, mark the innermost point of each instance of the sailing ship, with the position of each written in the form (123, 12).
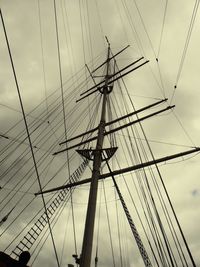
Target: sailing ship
(83, 152)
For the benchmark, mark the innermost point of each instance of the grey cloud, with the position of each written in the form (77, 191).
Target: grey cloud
(21, 17)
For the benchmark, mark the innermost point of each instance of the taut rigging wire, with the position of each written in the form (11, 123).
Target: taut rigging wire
(64, 239)
(151, 44)
(32, 125)
(165, 190)
(89, 30)
(42, 239)
(20, 135)
(145, 29)
(84, 53)
(82, 34)
(46, 156)
(161, 200)
(33, 182)
(187, 41)
(26, 125)
(183, 128)
(122, 145)
(155, 234)
(13, 221)
(92, 124)
(145, 137)
(30, 186)
(64, 117)
(156, 141)
(139, 43)
(101, 27)
(29, 114)
(162, 29)
(122, 22)
(98, 228)
(171, 251)
(133, 29)
(118, 230)
(69, 46)
(109, 226)
(18, 111)
(42, 55)
(21, 213)
(30, 221)
(55, 91)
(31, 170)
(157, 188)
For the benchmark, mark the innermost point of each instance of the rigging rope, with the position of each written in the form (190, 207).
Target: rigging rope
(138, 214)
(151, 44)
(28, 134)
(118, 230)
(118, 108)
(144, 26)
(128, 188)
(139, 43)
(64, 239)
(54, 221)
(64, 116)
(166, 213)
(43, 157)
(183, 128)
(187, 41)
(143, 153)
(42, 55)
(69, 46)
(162, 29)
(109, 227)
(53, 206)
(29, 223)
(27, 204)
(165, 190)
(89, 31)
(43, 114)
(100, 22)
(173, 256)
(141, 247)
(47, 137)
(27, 173)
(98, 229)
(82, 34)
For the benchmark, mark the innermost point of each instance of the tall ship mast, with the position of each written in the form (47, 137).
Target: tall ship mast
(86, 144)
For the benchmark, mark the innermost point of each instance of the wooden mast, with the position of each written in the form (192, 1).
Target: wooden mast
(85, 259)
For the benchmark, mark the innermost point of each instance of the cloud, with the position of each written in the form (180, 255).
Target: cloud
(117, 22)
(196, 192)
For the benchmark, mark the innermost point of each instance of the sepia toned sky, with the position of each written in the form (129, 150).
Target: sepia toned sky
(81, 40)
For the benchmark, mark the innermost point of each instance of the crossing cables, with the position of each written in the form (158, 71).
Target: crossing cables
(27, 130)
(187, 41)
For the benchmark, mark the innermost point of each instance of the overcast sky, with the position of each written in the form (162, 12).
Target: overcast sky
(79, 44)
